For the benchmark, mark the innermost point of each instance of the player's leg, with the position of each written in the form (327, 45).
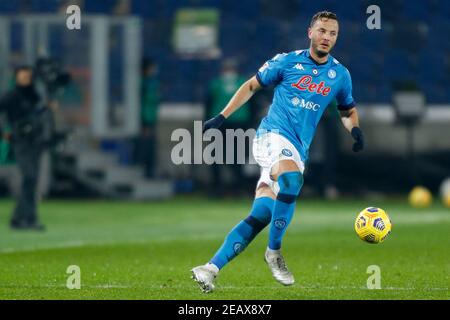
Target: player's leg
(238, 238)
(246, 230)
(290, 181)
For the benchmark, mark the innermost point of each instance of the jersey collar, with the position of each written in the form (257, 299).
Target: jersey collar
(315, 62)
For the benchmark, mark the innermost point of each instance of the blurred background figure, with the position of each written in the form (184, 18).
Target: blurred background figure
(24, 113)
(150, 99)
(220, 90)
(330, 121)
(5, 145)
(122, 7)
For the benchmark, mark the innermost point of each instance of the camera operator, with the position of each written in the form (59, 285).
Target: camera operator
(25, 114)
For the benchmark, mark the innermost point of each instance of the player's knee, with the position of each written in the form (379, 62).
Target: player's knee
(264, 190)
(256, 223)
(290, 185)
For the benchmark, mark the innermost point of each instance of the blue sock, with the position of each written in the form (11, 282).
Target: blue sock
(244, 232)
(283, 210)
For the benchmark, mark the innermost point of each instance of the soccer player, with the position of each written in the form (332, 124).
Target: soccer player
(306, 82)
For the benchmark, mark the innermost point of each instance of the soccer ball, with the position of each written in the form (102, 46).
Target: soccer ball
(420, 197)
(373, 225)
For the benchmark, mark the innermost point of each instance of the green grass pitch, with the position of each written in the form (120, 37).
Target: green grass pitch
(146, 250)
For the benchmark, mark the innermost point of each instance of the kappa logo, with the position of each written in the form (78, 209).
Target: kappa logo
(299, 66)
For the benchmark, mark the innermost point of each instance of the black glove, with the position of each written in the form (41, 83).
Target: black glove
(359, 139)
(215, 122)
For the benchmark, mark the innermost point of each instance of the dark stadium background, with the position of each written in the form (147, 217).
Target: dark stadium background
(410, 50)
(103, 213)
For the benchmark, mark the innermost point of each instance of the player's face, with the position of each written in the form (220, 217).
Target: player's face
(24, 77)
(323, 35)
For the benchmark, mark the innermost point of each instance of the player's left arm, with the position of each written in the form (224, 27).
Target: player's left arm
(350, 121)
(349, 113)
(349, 118)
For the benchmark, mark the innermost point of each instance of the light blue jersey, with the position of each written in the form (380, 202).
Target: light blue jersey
(303, 90)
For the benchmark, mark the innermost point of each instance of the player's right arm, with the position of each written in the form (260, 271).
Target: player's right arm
(242, 95)
(270, 73)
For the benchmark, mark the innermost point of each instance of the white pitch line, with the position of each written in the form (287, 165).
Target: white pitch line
(71, 244)
(75, 244)
(306, 220)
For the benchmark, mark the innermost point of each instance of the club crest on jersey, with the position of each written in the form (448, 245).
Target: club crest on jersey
(306, 83)
(331, 74)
